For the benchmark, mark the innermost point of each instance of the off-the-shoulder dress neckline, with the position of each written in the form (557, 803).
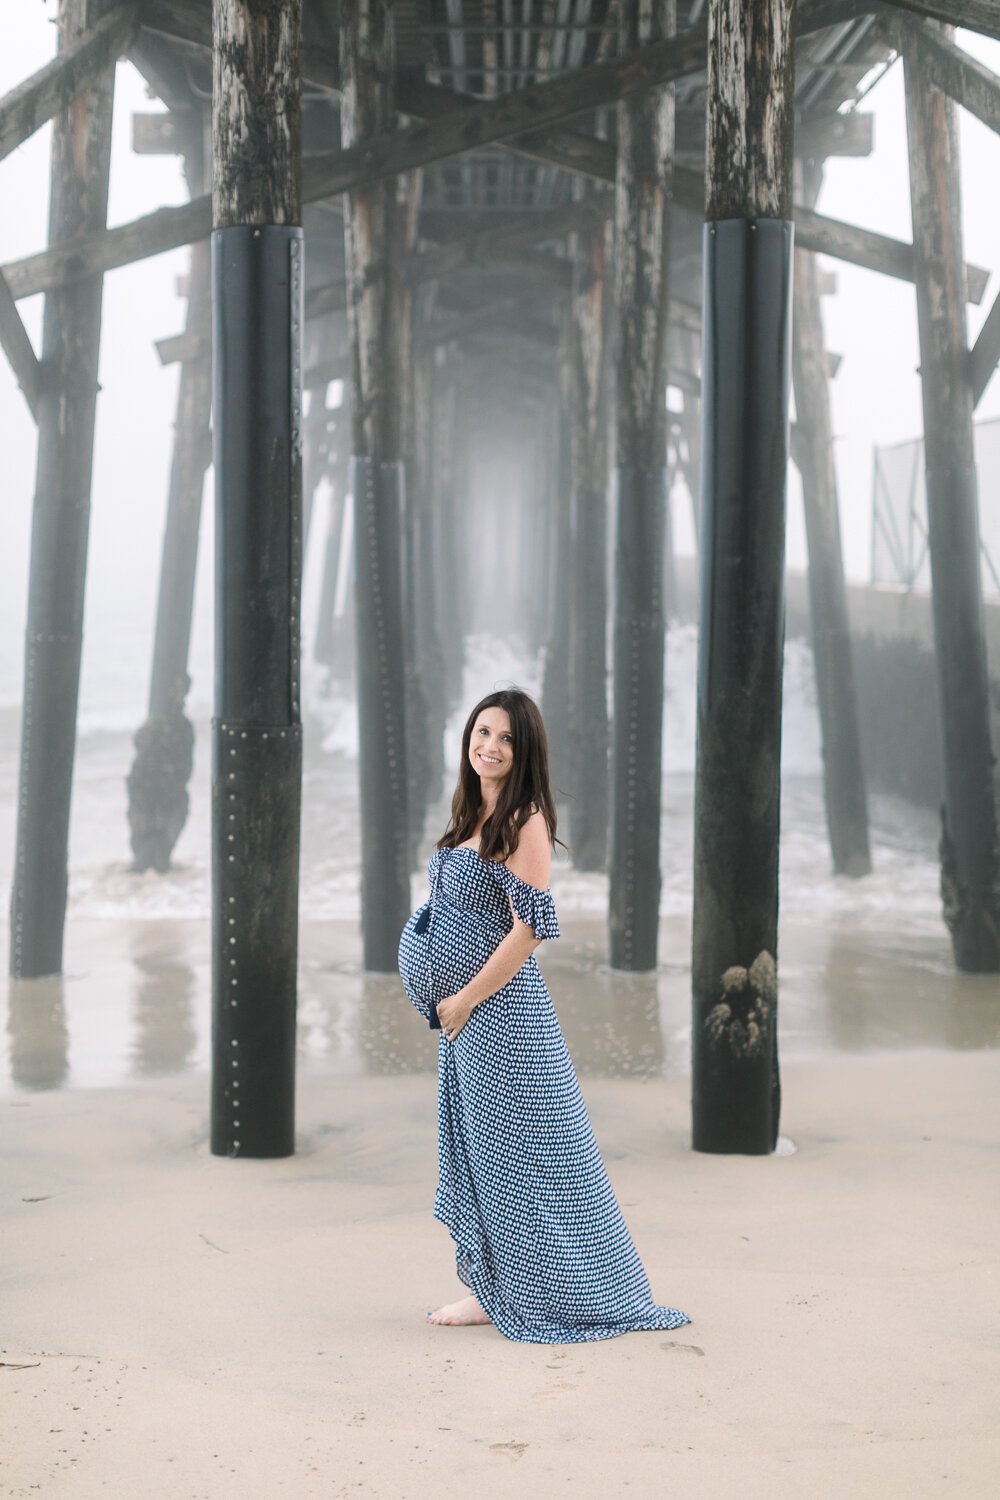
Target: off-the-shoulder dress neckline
(454, 848)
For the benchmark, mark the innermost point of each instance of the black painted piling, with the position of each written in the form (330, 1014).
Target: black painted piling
(257, 277)
(748, 239)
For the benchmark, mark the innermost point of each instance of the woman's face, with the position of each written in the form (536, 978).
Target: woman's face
(491, 747)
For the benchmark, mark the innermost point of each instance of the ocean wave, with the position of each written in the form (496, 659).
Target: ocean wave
(902, 893)
(489, 664)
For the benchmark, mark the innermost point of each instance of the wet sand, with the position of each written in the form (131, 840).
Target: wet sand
(191, 1326)
(135, 1002)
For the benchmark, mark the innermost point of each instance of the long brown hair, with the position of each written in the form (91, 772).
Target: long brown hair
(525, 787)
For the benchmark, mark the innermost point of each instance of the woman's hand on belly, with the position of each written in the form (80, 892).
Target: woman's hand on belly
(504, 962)
(453, 1012)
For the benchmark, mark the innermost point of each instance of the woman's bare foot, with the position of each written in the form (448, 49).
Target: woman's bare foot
(465, 1311)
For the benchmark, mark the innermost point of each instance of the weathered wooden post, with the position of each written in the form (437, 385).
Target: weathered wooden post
(689, 352)
(669, 564)
(533, 525)
(257, 280)
(589, 730)
(645, 150)
(375, 296)
(415, 617)
(345, 654)
(164, 744)
(423, 719)
(333, 644)
(748, 245)
(537, 536)
(317, 349)
(970, 860)
(66, 409)
(449, 463)
(338, 464)
(843, 768)
(555, 680)
(423, 587)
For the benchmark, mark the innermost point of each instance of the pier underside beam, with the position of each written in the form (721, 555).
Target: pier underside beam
(477, 124)
(975, 15)
(963, 78)
(79, 66)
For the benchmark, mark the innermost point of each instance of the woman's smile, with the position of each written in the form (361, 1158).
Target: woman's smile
(491, 750)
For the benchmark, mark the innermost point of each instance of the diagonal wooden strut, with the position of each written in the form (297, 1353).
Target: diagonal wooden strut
(18, 348)
(984, 356)
(32, 103)
(531, 111)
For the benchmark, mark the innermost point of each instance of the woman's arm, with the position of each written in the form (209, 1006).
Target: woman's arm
(501, 966)
(503, 963)
(530, 861)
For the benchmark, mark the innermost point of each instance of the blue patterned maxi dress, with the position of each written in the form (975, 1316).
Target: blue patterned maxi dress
(539, 1236)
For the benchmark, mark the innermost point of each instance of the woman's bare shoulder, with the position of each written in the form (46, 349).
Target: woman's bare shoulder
(535, 826)
(533, 855)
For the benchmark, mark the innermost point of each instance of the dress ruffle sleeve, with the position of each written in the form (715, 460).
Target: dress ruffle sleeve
(535, 907)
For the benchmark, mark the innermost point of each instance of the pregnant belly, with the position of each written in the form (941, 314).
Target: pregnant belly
(442, 957)
(461, 943)
(413, 962)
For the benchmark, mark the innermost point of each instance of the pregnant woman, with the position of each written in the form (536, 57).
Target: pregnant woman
(540, 1241)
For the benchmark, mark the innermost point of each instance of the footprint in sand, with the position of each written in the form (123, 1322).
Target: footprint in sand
(553, 1387)
(512, 1450)
(691, 1348)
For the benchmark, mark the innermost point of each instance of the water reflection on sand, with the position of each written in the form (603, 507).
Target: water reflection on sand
(135, 1003)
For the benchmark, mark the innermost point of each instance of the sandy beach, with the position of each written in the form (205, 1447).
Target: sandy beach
(179, 1325)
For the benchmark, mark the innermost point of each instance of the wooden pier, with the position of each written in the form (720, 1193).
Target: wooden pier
(507, 235)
